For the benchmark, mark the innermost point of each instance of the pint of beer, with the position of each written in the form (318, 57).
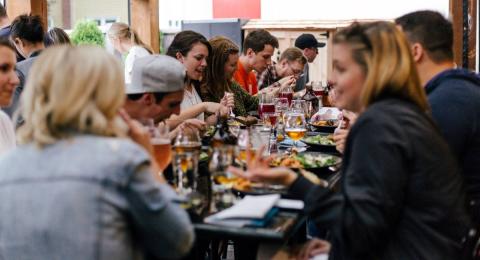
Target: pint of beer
(162, 151)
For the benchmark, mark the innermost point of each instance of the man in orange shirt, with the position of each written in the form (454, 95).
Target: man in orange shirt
(257, 54)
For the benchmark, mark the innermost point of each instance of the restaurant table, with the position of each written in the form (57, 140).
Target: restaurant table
(287, 226)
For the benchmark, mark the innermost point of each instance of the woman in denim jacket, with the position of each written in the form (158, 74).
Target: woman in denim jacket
(76, 187)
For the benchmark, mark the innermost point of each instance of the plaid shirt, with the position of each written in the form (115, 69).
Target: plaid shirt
(268, 77)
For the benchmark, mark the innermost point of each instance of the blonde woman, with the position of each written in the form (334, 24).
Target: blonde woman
(77, 185)
(126, 41)
(401, 195)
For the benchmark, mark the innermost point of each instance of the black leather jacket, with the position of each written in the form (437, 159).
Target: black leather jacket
(401, 193)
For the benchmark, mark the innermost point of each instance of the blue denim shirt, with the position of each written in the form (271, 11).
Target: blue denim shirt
(87, 198)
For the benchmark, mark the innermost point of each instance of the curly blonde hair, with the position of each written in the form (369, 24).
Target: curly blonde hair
(69, 91)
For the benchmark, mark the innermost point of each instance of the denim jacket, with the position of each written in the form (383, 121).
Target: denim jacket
(87, 197)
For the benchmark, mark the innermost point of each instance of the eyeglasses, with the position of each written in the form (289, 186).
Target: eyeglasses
(296, 72)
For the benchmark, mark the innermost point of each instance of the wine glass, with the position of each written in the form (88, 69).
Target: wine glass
(265, 105)
(295, 126)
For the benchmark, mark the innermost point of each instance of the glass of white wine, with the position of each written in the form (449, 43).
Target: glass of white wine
(295, 126)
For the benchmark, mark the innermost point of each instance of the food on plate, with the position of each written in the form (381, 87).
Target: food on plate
(242, 184)
(248, 121)
(330, 122)
(305, 160)
(320, 139)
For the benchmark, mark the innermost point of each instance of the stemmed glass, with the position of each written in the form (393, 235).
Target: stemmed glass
(295, 126)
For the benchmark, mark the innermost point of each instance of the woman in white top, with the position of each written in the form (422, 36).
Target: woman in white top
(8, 83)
(125, 40)
(192, 50)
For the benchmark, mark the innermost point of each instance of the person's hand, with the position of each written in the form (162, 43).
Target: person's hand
(141, 135)
(137, 132)
(351, 116)
(314, 247)
(340, 138)
(258, 170)
(228, 100)
(287, 81)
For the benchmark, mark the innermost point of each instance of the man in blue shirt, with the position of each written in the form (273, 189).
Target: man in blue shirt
(453, 94)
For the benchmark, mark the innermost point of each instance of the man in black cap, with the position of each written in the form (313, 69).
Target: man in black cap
(309, 45)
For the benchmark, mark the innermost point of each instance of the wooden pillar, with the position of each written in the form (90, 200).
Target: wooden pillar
(145, 21)
(35, 7)
(456, 13)
(472, 34)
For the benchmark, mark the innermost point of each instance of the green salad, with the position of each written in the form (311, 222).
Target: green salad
(320, 139)
(315, 161)
(305, 160)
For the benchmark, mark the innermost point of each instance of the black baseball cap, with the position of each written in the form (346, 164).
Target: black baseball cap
(307, 40)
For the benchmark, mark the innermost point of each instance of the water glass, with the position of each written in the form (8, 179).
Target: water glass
(186, 154)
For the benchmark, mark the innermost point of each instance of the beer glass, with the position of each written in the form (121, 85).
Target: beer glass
(160, 141)
(295, 126)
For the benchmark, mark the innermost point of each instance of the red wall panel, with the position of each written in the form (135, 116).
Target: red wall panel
(247, 9)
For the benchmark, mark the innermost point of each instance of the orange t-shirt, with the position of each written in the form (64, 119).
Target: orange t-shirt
(248, 81)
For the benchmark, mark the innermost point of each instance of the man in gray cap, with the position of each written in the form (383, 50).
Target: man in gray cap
(156, 89)
(309, 45)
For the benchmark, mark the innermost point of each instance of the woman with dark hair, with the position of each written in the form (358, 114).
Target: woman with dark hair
(56, 36)
(401, 194)
(192, 50)
(8, 82)
(222, 64)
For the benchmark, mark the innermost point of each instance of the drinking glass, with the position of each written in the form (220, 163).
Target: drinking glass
(244, 146)
(270, 119)
(298, 106)
(295, 126)
(318, 89)
(222, 180)
(186, 153)
(286, 92)
(281, 105)
(265, 105)
(259, 136)
(160, 140)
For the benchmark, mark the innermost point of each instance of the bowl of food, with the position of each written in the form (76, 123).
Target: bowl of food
(326, 119)
(322, 142)
(315, 162)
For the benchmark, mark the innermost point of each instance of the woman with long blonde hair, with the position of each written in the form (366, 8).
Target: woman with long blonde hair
(401, 195)
(79, 187)
(126, 41)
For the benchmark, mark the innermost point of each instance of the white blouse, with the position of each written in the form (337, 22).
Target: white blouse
(7, 133)
(134, 53)
(190, 99)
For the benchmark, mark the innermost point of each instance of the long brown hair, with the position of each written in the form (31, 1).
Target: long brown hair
(215, 82)
(382, 51)
(125, 32)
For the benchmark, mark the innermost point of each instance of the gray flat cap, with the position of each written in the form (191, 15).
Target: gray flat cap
(156, 73)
